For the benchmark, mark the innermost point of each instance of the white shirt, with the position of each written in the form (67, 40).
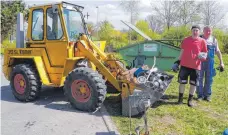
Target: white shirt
(212, 41)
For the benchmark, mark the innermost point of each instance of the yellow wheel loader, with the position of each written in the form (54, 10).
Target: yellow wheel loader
(60, 53)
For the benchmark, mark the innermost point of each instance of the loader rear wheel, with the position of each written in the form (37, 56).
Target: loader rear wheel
(25, 83)
(85, 89)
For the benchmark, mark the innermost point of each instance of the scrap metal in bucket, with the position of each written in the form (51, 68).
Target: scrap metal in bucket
(151, 86)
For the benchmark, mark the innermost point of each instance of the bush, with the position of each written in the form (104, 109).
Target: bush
(222, 38)
(226, 43)
(176, 33)
(7, 44)
(119, 39)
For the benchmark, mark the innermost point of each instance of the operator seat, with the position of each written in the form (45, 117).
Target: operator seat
(50, 34)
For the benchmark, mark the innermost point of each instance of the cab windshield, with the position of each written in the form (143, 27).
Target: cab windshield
(74, 24)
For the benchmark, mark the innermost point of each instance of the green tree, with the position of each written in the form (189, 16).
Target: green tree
(226, 43)
(106, 31)
(119, 39)
(176, 34)
(222, 39)
(9, 11)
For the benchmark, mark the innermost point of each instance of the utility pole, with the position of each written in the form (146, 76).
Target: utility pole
(97, 21)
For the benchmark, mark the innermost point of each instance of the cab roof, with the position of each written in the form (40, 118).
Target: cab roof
(56, 3)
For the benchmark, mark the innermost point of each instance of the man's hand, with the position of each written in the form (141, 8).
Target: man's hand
(202, 56)
(175, 66)
(222, 65)
(177, 62)
(220, 68)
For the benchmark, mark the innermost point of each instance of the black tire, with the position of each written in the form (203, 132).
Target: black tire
(95, 84)
(32, 82)
(59, 88)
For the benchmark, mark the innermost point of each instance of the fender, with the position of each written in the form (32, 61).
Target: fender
(39, 66)
(68, 67)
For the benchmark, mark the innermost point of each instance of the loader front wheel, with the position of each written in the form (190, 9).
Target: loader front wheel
(25, 83)
(85, 89)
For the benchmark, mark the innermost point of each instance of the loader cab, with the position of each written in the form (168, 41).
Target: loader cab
(74, 23)
(54, 27)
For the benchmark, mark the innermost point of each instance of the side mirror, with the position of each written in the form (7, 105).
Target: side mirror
(55, 8)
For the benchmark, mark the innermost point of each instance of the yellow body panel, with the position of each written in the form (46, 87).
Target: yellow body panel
(40, 58)
(41, 69)
(89, 43)
(57, 58)
(100, 44)
(56, 79)
(69, 65)
(6, 71)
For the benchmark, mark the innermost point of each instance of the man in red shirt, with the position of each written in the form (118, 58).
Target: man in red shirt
(190, 58)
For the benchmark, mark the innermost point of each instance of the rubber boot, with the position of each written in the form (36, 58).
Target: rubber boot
(190, 100)
(180, 100)
(208, 98)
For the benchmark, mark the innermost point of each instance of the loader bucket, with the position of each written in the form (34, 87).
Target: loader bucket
(146, 94)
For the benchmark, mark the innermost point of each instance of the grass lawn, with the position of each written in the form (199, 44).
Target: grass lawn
(165, 117)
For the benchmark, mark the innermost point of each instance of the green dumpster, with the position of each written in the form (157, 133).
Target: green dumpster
(144, 52)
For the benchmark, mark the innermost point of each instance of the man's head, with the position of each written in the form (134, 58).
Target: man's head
(207, 31)
(195, 31)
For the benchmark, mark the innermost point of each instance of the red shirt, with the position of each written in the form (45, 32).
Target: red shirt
(191, 48)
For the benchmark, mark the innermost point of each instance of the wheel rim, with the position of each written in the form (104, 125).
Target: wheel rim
(19, 83)
(80, 91)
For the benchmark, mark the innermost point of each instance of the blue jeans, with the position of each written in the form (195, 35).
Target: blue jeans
(206, 74)
(205, 83)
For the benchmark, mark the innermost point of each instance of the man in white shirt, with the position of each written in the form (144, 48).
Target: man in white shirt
(207, 67)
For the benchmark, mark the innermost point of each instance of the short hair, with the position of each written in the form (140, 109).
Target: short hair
(207, 27)
(195, 26)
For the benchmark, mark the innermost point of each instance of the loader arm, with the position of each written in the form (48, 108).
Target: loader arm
(89, 50)
(86, 48)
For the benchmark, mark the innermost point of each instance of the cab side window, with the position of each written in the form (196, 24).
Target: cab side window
(54, 27)
(37, 24)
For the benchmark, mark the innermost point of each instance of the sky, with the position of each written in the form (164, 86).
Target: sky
(112, 11)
